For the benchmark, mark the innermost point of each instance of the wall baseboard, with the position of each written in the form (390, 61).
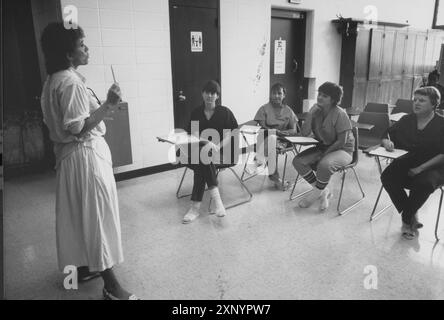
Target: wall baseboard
(145, 171)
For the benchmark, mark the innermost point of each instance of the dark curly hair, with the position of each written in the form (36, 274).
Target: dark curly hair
(57, 42)
(332, 90)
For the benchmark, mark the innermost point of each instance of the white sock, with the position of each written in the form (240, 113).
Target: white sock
(215, 196)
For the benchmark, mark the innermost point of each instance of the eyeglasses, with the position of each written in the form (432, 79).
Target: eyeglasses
(95, 96)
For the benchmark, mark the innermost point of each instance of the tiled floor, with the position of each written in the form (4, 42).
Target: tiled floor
(266, 249)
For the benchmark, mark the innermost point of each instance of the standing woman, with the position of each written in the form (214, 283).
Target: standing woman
(211, 116)
(87, 209)
(332, 128)
(422, 169)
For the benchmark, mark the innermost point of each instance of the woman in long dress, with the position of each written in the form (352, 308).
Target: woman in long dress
(87, 211)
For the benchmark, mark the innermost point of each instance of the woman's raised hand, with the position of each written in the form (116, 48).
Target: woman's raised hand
(114, 94)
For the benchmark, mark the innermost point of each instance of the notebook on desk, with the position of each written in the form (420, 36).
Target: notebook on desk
(180, 139)
(301, 140)
(250, 129)
(381, 152)
(397, 116)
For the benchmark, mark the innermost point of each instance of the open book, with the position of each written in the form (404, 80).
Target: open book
(381, 152)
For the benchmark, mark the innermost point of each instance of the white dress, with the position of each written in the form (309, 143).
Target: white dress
(87, 210)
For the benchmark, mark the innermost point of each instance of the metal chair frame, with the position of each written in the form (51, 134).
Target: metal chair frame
(284, 151)
(250, 195)
(342, 170)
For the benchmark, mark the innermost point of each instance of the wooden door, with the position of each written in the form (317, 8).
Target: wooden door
(429, 59)
(195, 48)
(288, 34)
(398, 55)
(376, 47)
(386, 82)
(361, 69)
(420, 46)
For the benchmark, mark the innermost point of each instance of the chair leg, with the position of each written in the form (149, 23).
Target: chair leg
(292, 196)
(374, 215)
(283, 173)
(250, 195)
(180, 186)
(346, 210)
(245, 167)
(439, 213)
(250, 176)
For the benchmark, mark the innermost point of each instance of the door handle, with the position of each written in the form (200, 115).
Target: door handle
(295, 65)
(181, 97)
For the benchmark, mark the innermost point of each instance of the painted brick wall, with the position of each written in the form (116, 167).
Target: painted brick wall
(133, 36)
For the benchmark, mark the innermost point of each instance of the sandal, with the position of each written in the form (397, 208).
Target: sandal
(408, 232)
(84, 275)
(109, 296)
(88, 277)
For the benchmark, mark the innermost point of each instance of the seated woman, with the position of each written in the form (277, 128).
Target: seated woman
(217, 117)
(422, 169)
(274, 115)
(331, 126)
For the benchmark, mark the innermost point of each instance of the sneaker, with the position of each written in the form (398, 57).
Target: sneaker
(190, 216)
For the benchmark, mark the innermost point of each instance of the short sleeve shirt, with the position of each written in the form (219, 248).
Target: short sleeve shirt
(66, 103)
(222, 119)
(276, 118)
(423, 144)
(328, 129)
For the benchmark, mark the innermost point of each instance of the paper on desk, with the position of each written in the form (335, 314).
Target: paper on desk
(250, 129)
(179, 138)
(397, 116)
(381, 152)
(302, 140)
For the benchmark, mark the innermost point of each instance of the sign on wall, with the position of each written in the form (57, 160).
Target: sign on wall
(279, 56)
(196, 41)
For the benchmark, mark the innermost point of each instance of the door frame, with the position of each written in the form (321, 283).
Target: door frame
(210, 4)
(289, 13)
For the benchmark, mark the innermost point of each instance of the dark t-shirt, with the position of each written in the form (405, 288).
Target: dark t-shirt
(221, 119)
(421, 144)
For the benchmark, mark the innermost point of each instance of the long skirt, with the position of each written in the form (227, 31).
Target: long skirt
(87, 209)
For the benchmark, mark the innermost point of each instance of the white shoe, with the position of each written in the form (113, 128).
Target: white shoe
(191, 215)
(324, 202)
(310, 198)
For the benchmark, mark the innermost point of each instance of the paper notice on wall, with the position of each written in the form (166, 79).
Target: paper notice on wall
(279, 56)
(196, 41)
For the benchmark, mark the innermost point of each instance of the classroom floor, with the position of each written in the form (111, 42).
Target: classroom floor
(266, 249)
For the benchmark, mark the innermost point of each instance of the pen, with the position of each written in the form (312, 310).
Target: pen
(114, 76)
